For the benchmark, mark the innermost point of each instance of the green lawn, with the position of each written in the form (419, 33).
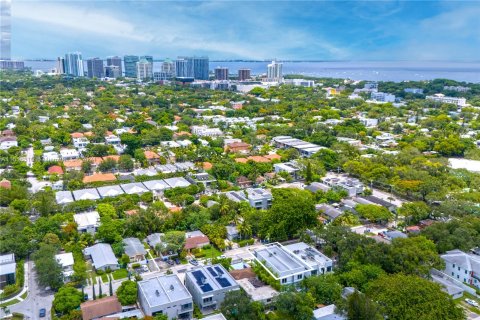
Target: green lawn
(104, 278)
(9, 303)
(24, 296)
(120, 274)
(210, 253)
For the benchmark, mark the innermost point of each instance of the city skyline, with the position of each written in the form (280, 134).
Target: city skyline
(321, 30)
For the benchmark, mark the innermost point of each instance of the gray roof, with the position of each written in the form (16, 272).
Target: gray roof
(208, 279)
(464, 260)
(134, 188)
(63, 197)
(154, 239)
(313, 256)
(134, 247)
(110, 191)
(448, 286)
(86, 194)
(280, 261)
(177, 182)
(330, 211)
(156, 185)
(380, 201)
(315, 186)
(395, 234)
(162, 290)
(7, 264)
(102, 255)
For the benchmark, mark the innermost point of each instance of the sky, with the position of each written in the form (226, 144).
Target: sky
(286, 30)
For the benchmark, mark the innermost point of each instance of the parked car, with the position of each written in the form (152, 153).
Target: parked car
(472, 302)
(177, 261)
(170, 262)
(194, 262)
(42, 313)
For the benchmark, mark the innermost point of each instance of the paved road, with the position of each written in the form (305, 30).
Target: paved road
(37, 298)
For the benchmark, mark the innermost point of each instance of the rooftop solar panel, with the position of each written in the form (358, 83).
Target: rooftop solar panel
(220, 272)
(213, 273)
(206, 287)
(223, 282)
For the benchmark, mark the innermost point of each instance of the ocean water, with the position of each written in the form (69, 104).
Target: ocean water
(356, 70)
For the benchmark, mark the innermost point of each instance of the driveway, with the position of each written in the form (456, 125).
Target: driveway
(37, 298)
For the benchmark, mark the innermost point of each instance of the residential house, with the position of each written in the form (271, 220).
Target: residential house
(66, 261)
(64, 197)
(50, 156)
(100, 308)
(134, 249)
(69, 154)
(87, 221)
(464, 267)
(152, 157)
(289, 167)
(351, 185)
(232, 233)
(209, 285)
(238, 147)
(327, 313)
(165, 295)
(177, 182)
(156, 186)
(86, 194)
(8, 142)
(99, 177)
(195, 239)
(244, 182)
(7, 269)
(203, 178)
(102, 256)
(134, 188)
(291, 264)
(110, 191)
(71, 165)
(80, 142)
(257, 197)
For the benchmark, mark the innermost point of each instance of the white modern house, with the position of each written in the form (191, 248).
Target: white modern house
(464, 267)
(165, 295)
(291, 264)
(87, 221)
(66, 261)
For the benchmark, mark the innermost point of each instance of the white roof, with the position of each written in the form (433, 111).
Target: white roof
(65, 259)
(156, 185)
(87, 219)
(110, 191)
(86, 194)
(327, 313)
(134, 188)
(63, 197)
(177, 182)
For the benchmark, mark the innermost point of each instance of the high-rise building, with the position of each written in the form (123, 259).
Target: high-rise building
(200, 68)
(95, 68)
(144, 70)
(113, 72)
(167, 71)
(11, 65)
(148, 58)
(244, 74)
(221, 73)
(181, 68)
(74, 64)
(274, 71)
(5, 29)
(60, 67)
(130, 63)
(115, 61)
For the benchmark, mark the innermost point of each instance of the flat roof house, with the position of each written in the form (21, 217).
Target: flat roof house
(87, 221)
(209, 284)
(102, 256)
(290, 267)
(165, 295)
(257, 197)
(7, 269)
(134, 249)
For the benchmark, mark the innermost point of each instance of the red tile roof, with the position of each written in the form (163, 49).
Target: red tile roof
(195, 242)
(101, 307)
(55, 170)
(99, 177)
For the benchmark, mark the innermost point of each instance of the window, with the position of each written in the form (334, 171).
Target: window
(458, 268)
(206, 300)
(284, 280)
(464, 280)
(329, 269)
(299, 277)
(453, 265)
(314, 272)
(453, 274)
(458, 277)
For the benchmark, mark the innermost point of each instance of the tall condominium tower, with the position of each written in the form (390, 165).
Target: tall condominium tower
(181, 68)
(274, 71)
(200, 67)
(221, 73)
(130, 63)
(115, 61)
(74, 64)
(95, 68)
(244, 74)
(144, 70)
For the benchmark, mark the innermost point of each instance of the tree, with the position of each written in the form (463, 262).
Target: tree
(44, 203)
(308, 173)
(416, 255)
(67, 299)
(173, 241)
(412, 298)
(360, 275)
(110, 287)
(373, 212)
(127, 293)
(125, 163)
(161, 317)
(237, 306)
(292, 210)
(360, 307)
(49, 271)
(106, 210)
(294, 306)
(109, 230)
(325, 289)
(414, 211)
(107, 165)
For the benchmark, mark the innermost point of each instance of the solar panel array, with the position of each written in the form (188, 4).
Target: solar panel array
(200, 277)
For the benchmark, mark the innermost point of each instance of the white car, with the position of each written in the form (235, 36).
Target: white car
(472, 302)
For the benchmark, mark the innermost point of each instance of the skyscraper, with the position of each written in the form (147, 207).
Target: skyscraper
(5, 29)
(74, 64)
(115, 61)
(221, 73)
(95, 68)
(167, 71)
(274, 71)
(148, 58)
(244, 74)
(113, 72)
(60, 65)
(144, 70)
(181, 68)
(130, 63)
(200, 67)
